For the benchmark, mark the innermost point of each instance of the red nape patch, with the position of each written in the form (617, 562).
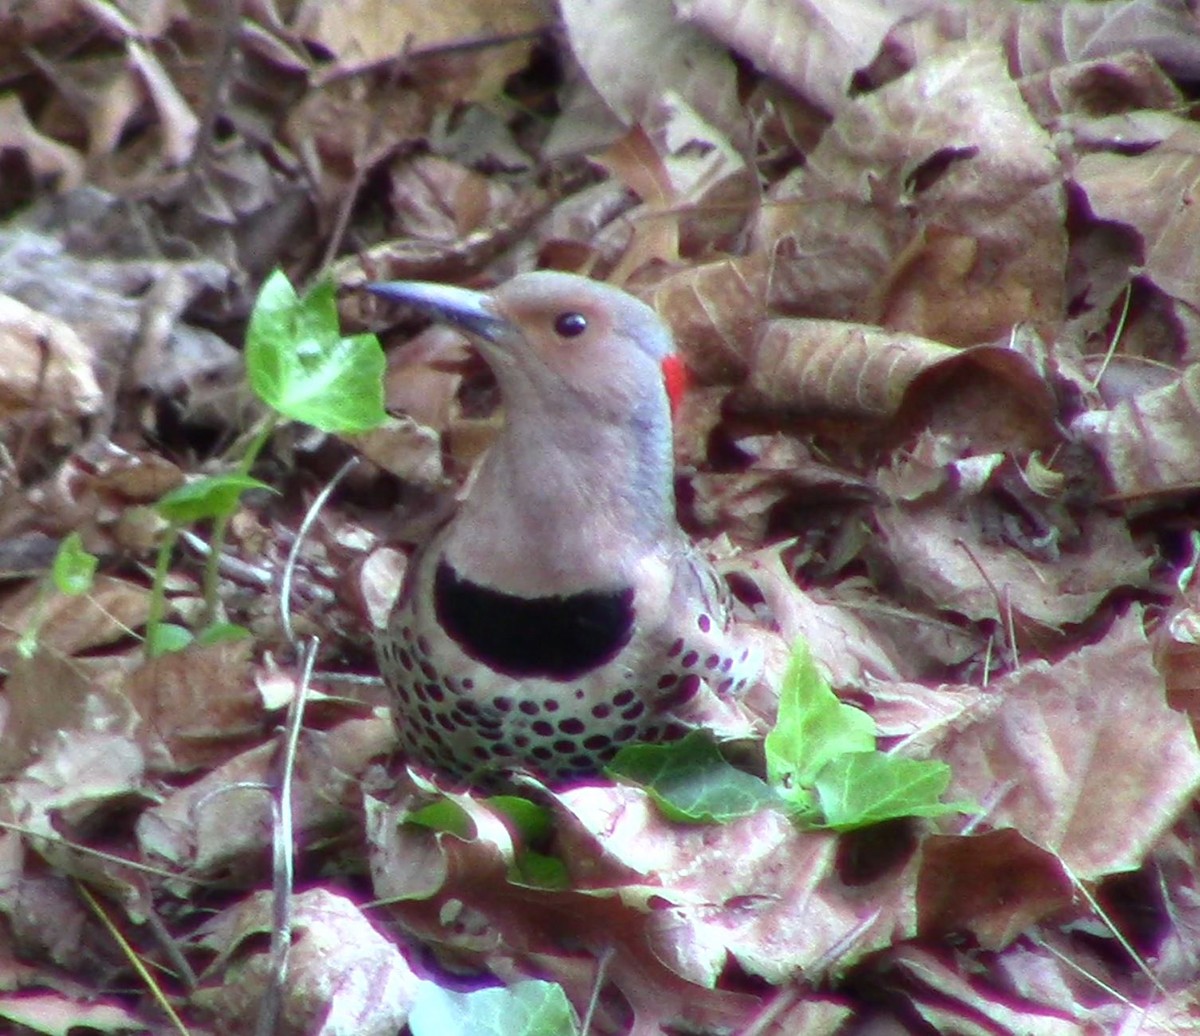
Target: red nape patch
(675, 377)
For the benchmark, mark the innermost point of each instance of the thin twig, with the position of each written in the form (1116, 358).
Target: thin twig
(283, 844)
(1136, 957)
(131, 955)
(289, 567)
(1117, 333)
(602, 963)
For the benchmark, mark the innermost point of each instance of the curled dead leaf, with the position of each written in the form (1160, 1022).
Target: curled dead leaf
(47, 366)
(713, 310)
(1165, 218)
(823, 368)
(1149, 443)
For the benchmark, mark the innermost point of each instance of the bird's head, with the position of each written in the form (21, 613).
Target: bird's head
(559, 341)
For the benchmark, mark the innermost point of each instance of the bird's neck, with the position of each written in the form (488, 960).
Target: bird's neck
(559, 513)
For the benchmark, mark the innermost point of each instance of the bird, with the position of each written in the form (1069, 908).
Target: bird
(561, 612)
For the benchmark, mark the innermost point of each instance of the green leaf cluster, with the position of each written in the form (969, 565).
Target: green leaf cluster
(530, 1008)
(823, 767)
(303, 369)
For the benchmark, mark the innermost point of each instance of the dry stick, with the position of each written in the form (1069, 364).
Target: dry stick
(131, 955)
(602, 963)
(1117, 934)
(1117, 333)
(1003, 604)
(228, 565)
(282, 821)
(289, 566)
(780, 1002)
(283, 868)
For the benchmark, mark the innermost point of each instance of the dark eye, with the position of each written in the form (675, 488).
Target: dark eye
(570, 325)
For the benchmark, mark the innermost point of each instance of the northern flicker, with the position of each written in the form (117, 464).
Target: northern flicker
(561, 613)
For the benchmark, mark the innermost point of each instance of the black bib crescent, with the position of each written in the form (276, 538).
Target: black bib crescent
(557, 638)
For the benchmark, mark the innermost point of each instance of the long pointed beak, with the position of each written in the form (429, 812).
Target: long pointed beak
(472, 311)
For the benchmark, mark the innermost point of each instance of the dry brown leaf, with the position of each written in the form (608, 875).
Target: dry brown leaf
(180, 125)
(69, 795)
(440, 201)
(198, 705)
(1177, 652)
(934, 206)
(1083, 757)
(635, 162)
(51, 1011)
(1092, 97)
(947, 998)
(714, 310)
(823, 368)
(140, 477)
(50, 696)
(640, 58)
(363, 33)
(223, 820)
(46, 157)
(996, 885)
(1037, 37)
(413, 862)
(840, 38)
(344, 975)
(818, 370)
(906, 710)
(424, 376)
(1148, 444)
(47, 368)
(406, 449)
(756, 889)
(851, 654)
(71, 625)
(990, 558)
(1155, 193)
(455, 892)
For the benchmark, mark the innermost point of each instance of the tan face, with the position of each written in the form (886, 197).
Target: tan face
(598, 340)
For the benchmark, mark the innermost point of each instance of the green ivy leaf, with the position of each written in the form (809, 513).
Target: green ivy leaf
(445, 817)
(531, 821)
(299, 364)
(691, 781)
(539, 871)
(532, 1008)
(166, 638)
(813, 728)
(74, 569)
(216, 496)
(222, 632)
(864, 788)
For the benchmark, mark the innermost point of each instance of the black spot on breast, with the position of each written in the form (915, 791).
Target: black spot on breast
(559, 638)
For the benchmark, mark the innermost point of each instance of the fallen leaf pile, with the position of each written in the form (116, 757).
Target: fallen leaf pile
(933, 269)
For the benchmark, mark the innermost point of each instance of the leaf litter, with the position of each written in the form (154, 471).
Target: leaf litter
(931, 270)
